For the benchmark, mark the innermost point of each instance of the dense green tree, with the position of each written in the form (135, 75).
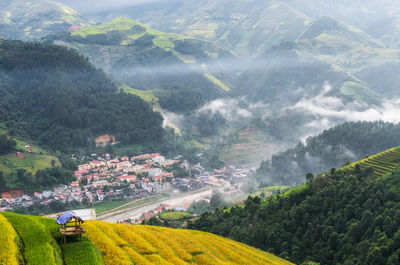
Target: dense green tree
(6, 144)
(57, 98)
(340, 217)
(3, 182)
(216, 199)
(346, 142)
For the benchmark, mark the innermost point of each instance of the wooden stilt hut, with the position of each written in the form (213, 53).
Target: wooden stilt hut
(70, 224)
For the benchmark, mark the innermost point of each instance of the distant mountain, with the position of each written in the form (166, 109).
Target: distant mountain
(349, 49)
(328, 27)
(361, 42)
(33, 19)
(378, 18)
(55, 97)
(178, 68)
(286, 74)
(245, 27)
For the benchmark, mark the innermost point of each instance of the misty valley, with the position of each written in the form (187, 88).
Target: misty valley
(202, 132)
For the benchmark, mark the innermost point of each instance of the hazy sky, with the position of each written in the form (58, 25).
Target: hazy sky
(87, 6)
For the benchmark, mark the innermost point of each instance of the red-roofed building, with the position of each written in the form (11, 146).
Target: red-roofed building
(103, 140)
(162, 207)
(148, 215)
(12, 194)
(74, 184)
(83, 167)
(129, 178)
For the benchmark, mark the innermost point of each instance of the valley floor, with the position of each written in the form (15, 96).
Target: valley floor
(180, 201)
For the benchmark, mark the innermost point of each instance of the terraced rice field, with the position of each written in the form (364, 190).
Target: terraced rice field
(39, 245)
(382, 163)
(9, 253)
(35, 240)
(125, 244)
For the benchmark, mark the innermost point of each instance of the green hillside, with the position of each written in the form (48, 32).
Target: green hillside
(133, 30)
(30, 162)
(171, 65)
(341, 216)
(36, 240)
(333, 148)
(36, 159)
(28, 20)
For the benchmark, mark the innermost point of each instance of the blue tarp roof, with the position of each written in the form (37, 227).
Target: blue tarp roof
(65, 217)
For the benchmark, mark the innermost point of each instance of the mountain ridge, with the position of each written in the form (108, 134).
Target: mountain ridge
(172, 65)
(37, 18)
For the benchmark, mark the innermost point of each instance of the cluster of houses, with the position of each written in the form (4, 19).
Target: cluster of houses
(147, 168)
(121, 178)
(125, 177)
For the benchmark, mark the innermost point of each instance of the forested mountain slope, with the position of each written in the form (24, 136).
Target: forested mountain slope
(332, 148)
(344, 216)
(55, 97)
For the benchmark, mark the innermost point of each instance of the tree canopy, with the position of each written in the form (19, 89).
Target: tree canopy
(340, 217)
(350, 141)
(55, 96)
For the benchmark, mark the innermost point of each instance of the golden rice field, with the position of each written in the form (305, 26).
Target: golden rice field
(142, 245)
(9, 252)
(33, 240)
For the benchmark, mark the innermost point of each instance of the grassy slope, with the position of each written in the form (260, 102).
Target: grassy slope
(32, 162)
(162, 40)
(125, 244)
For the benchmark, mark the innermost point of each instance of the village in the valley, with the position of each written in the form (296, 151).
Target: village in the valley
(107, 178)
